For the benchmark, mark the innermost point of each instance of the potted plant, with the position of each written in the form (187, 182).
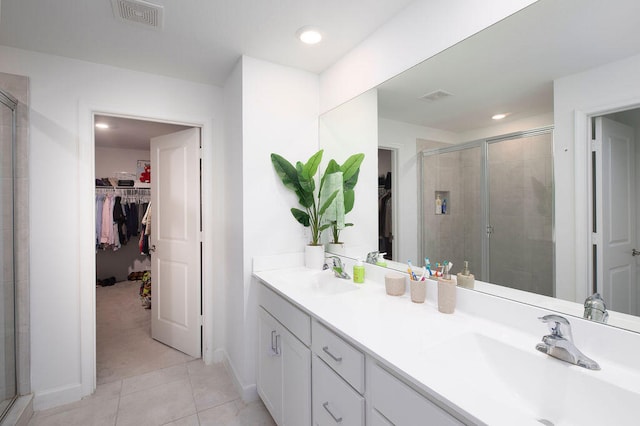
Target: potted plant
(350, 171)
(301, 180)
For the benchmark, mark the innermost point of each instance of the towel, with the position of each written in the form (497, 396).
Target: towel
(335, 212)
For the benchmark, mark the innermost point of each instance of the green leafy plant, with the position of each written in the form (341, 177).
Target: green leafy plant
(350, 172)
(301, 180)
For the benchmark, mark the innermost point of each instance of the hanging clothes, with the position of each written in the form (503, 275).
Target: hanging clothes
(119, 220)
(146, 231)
(99, 204)
(106, 233)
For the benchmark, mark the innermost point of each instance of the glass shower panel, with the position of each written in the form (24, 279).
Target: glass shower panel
(7, 305)
(455, 234)
(520, 179)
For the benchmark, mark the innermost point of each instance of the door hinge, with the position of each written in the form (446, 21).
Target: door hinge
(201, 320)
(595, 145)
(595, 238)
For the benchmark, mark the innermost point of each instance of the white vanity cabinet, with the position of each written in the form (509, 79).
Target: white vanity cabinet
(284, 361)
(392, 402)
(308, 374)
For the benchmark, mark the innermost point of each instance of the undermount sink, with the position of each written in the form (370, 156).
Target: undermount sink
(537, 386)
(325, 282)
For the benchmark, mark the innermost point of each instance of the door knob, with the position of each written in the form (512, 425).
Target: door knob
(153, 248)
(635, 252)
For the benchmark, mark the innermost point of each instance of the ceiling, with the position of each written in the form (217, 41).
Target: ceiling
(510, 67)
(129, 133)
(201, 40)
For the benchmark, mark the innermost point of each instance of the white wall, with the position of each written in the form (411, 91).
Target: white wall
(421, 30)
(270, 108)
(63, 93)
(594, 92)
(350, 129)
(112, 160)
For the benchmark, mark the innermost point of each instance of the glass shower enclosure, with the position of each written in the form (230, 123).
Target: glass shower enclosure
(490, 202)
(8, 384)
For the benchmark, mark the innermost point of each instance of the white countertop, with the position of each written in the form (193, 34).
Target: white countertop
(401, 334)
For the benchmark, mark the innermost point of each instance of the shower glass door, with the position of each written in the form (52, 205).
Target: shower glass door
(7, 287)
(520, 224)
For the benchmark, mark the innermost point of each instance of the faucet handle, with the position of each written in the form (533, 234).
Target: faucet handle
(559, 326)
(372, 257)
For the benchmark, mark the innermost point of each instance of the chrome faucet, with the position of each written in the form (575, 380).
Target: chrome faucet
(372, 257)
(595, 309)
(338, 268)
(559, 344)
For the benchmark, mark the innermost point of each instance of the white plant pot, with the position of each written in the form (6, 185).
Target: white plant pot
(335, 248)
(314, 257)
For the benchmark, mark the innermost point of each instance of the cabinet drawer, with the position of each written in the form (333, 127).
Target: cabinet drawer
(402, 405)
(296, 321)
(347, 361)
(334, 401)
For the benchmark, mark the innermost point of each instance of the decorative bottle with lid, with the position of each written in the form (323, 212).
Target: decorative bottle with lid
(438, 204)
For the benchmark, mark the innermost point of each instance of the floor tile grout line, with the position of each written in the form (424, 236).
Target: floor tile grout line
(115, 420)
(195, 404)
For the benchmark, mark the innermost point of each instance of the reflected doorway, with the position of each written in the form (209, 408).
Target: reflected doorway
(615, 159)
(386, 159)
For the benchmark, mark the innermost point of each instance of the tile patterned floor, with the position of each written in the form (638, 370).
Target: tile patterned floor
(141, 383)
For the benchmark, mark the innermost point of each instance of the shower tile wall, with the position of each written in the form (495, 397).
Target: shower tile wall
(18, 86)
(455, 236)
(521, 213)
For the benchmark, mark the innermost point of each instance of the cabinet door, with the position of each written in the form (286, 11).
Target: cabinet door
(402, 405)
(334, 401)
(377, 419)
(296, 380)
(269, 380)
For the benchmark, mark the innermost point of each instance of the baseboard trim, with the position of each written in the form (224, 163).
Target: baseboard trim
(248, 393)
(58, 396)
(20, 412)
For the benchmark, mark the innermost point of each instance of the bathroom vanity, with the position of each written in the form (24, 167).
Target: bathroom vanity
(332, 352)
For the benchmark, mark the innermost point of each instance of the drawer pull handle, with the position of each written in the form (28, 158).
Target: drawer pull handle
(335, 419)
(273, 345)
(335, 358)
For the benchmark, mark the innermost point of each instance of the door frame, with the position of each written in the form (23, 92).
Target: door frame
(86, 226)
(583, 191)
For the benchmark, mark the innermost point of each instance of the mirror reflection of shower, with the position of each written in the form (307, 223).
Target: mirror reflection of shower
(8, 385)
(490, 202)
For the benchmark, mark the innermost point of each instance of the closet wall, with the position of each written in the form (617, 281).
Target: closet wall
(120, 263)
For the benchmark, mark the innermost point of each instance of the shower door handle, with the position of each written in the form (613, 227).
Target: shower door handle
(635, 252)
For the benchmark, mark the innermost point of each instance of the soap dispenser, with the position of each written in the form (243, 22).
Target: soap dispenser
(358, 272)
(466, 278)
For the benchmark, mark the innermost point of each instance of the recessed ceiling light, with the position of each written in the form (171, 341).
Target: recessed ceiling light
(499, 116)
(309, 35)
(102, 125)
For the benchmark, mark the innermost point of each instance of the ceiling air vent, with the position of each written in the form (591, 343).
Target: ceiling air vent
(139, 12)
(436, 95)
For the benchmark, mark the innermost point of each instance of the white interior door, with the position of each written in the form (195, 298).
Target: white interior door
(616, 209)
(175, 233)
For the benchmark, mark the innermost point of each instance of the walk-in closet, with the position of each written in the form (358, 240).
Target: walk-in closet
(124, 345)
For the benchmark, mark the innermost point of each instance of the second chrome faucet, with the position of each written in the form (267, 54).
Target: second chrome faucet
(559, 344)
